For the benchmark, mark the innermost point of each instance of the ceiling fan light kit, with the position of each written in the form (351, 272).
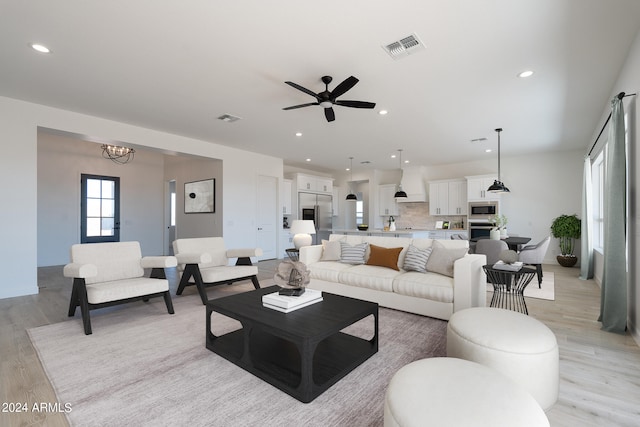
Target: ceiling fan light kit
(498, 186)
(327, 99)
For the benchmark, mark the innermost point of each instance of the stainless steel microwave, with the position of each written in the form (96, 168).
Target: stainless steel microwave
(483, 210)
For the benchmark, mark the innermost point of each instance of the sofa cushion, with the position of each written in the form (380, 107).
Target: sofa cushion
(384, 257)
(432, 286)
(369, 276)
(442, 258)
(214, 246)
(352, 254)
(121, 289)
(416, 259)
(327, 270)
(113, 260)
(330, 251)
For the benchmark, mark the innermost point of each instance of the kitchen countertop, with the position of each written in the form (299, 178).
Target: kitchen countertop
(397, 231)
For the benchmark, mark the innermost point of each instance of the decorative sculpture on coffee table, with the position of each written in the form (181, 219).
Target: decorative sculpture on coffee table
(292, 277)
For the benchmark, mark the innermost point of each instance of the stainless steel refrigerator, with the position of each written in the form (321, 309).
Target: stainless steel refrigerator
(317, 207)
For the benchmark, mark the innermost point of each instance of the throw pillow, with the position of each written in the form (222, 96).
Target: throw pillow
(416, 259)
(441, 259)
(330, 251)
(384, 257)
(352, 254)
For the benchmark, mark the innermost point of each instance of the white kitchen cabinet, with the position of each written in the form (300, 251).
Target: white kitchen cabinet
(477, 188)
(447, 197)
(313, 184)
(437, 234)
(386, 202)
(287, 186)
(439, 198)
(458, 204)
(337, 199)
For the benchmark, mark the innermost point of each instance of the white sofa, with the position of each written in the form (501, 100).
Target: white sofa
(429, 293)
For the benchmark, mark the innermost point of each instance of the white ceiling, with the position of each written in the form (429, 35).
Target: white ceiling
(176, 66)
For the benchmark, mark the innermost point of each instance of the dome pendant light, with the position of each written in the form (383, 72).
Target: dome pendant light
(351, 197)
(400, 193)
(498, 186)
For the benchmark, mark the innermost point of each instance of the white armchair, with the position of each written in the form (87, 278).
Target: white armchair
(204, 262)
(534, 255)
(106, 274)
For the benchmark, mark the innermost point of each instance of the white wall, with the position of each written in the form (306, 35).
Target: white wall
(61, 161)
(19, 122)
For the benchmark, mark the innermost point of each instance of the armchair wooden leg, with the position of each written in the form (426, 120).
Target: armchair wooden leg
(256, 284)
(84, 305)
(244, 261)
(188, 272)
(168, 302)
(73, 303)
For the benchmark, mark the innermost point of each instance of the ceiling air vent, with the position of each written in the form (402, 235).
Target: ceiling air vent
(404, 47)
(228, 118)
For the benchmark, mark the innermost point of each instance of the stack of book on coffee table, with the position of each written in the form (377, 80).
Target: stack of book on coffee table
(287, 304)
(501, 265)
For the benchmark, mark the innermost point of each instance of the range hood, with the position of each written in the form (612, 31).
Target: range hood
(413, 184)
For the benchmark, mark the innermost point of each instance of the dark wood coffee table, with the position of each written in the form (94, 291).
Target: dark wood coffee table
(303, 352)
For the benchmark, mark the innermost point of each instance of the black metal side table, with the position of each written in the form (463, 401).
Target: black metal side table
(293, 253)
(508, 287)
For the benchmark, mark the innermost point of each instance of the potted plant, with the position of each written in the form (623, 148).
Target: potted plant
(567, 228)
(499, 226)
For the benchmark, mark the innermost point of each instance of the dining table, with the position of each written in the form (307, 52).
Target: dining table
(514, 242)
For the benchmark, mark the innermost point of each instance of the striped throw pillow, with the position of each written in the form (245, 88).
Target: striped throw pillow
(416, 259)
(352, 254)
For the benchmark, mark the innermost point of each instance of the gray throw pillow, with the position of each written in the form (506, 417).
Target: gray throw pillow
(441, 259)
(352, 254)
(416, 259)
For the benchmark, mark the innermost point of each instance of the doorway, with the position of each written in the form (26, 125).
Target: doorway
(267, 216)
(99, 209)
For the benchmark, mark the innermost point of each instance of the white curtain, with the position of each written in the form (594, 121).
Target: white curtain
(586, 238)
(613, 302)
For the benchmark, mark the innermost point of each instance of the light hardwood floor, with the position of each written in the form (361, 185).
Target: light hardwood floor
(599, 371)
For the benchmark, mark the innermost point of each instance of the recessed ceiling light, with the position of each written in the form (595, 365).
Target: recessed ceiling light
(382, 112)
(393, 156)
(527, 73)
(488, 150)
(40, 48)
(308, 160)
(406, 161)
(298, 133)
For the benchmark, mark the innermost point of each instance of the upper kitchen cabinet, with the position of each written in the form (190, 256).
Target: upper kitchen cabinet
(387, 203)
(314, 184)
(448, 197)
(287, 186)
(477, 188)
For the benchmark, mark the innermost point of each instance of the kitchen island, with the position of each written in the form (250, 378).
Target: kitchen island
(409, 232)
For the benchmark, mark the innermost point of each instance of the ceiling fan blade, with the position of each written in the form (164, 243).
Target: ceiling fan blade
(329, 114)
(347, 84)
(356, 104)
(293, 107)
(303, 89)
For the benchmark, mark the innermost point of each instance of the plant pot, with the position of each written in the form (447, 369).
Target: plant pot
(567, 260)
(503, 233)
(494, 234)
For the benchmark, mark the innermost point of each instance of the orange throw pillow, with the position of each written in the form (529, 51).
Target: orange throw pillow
(384, 257)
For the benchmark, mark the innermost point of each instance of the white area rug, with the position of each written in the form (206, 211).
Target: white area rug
(547, 291)
(144, 367)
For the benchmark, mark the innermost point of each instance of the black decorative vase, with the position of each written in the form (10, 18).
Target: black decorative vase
(567, 260)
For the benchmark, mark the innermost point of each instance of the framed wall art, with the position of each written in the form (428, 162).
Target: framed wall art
(200, 196)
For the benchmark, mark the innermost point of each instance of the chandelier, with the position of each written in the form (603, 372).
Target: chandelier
(118, 154)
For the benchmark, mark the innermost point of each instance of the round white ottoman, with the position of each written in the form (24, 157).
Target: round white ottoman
(444, 391)
(519, 346)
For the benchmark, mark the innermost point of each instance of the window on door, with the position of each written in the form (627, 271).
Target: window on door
(100, 209)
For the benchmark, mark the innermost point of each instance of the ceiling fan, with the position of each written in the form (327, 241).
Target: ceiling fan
(327, 99)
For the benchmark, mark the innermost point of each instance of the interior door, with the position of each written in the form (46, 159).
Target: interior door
(267, 232)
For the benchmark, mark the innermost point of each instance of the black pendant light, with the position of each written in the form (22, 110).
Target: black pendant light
(400, 193)
(498, 186)
(351, 197)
